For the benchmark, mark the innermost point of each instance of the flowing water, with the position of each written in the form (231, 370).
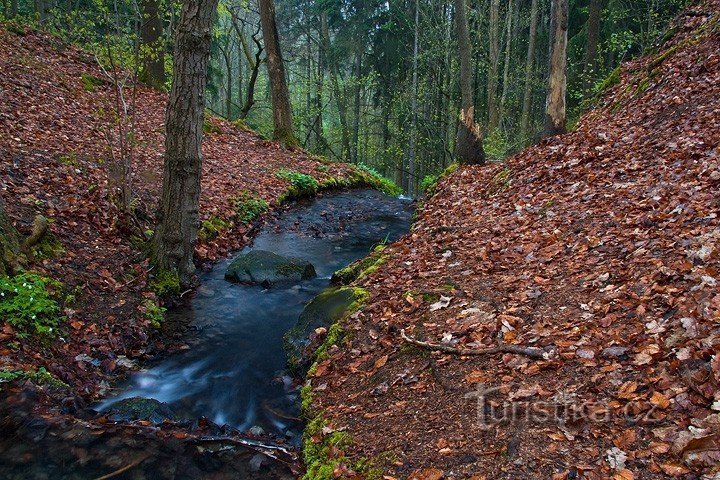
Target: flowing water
(233, 370)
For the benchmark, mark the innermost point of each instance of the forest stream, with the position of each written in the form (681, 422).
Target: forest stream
(233, 370)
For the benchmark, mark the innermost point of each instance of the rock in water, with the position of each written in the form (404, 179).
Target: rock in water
(138, 408)
(268, 269)
(328, 307)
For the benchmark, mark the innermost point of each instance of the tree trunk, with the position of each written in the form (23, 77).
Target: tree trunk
(177, 227)
(153, 51)
(279, 94)
(335, 85)
(493, 64)
(410, 174)
(469, 147)
(557, 80)
(527, 93)
(356, 107)
(506, 67)
(9, 243)
(593, 38)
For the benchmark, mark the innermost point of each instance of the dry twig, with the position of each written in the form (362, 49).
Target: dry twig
(532, 352)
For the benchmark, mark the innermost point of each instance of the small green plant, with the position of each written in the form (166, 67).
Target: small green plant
(211, 227)
(91, 82)
(496, 145)
(165, 283)
(70, 159)
(381, 183)
(248, 207)
(49, 247)
(28, 303)
(154, 312)
(301, 185)
(209, 127)
(41, 375)
(428, 183)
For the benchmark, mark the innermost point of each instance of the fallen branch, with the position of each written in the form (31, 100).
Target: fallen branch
(532, 352)
(124, 469)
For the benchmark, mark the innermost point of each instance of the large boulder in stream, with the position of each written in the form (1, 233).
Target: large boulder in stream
(329, 307)
(138, 408)
(268, 269)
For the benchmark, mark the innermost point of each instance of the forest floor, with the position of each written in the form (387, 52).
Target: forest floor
(600, 249)
(55, 118)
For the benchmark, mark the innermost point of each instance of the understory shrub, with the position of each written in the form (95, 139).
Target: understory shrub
(28, 302)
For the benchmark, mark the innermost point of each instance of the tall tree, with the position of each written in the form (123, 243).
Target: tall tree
(593, 38)
(527, 91)
(469, 147)
(153, 45)
(177, 227)
(555, 114)
(282, 114)
(493, 65)
(410, 174)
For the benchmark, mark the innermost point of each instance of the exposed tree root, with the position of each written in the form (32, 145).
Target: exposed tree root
(39, 229)
(532, 352)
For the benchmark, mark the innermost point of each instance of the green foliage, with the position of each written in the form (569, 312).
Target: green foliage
(496, 145)
(211, 227)
(91, 82)
(165, 283)
(301, 185)
(381, 183)
(154, 312)
(40, 376)
(28, 302)
(48, 247)
(210, 127)
(360, 268)
(248, 207)
(430, 182)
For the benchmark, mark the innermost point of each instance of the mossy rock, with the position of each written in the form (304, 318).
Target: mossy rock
(325, 310)
(359, 268)
(261, 267)
(137, 408)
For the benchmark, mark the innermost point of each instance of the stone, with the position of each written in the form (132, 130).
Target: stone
(138, 408)
(261, 267)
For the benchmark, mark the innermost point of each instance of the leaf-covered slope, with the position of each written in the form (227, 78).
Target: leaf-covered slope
(601, 247)
(55, 117)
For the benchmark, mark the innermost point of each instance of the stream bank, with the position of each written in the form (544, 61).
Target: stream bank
(227, 384)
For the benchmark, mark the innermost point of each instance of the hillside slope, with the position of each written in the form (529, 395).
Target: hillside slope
(55, 115)
(602, 248)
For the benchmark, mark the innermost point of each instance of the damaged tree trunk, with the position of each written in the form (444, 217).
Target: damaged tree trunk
(469, 147)
(555, 115)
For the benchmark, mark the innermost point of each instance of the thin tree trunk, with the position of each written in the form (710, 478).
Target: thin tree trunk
(356, 108)
(177, 227)
(506, 68)
(152, 71)
(593, 38)
(557, 80)
(468, 148)
(335, 84)
(527, 93)
(494, 63)
(410, 177)
(279, 94)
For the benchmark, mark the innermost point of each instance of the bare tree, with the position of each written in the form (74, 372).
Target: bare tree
(527, 93)
(555, 115)
(469, 147)
(153, 45)
(177, 227)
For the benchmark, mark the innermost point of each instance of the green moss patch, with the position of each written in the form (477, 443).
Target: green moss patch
(360, 268)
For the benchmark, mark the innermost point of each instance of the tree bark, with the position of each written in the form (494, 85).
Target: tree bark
(177, 227)
(468, 148)
(279, 94)
(557, 81)
(335, 85)
(410, 180)
(153, 51)
(527, 93)
(493, 64)
(593, 38)
(9, 243)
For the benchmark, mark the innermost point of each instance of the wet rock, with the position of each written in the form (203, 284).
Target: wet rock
(322, 312)
(257, 431)
(268, 269)
(137, 408)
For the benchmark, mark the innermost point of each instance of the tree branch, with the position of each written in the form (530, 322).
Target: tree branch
(532, 352)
